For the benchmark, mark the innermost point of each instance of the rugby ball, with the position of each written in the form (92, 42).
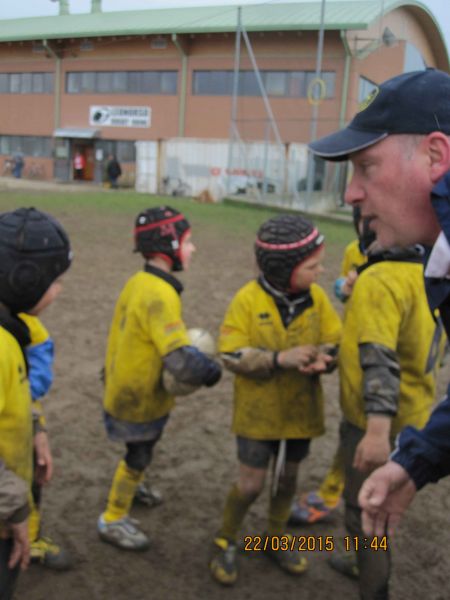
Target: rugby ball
(201, 339)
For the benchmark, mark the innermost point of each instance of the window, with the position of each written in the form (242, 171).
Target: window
(248, 84)
(275, 83)
(104, 82)
(279, 84)
(26, 83)
(414, 60)
(87, 82)
(4, 84)
(14, 83)
(365, 87)
(37, 83)
(25, 88)
(212, 83)
(125, 151)
(122, 82)
(29, 145)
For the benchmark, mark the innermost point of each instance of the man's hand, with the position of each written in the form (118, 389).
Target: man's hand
(372, 452)
(20, 554)
(384, 497)
(44, 461)
(297, 357)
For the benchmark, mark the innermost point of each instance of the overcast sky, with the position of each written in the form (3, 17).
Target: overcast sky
(31, 8)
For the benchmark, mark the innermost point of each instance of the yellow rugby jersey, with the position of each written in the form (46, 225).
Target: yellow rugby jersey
(289, 405)
(353, 258)
(146, 326)
(16, 436)
(388, 306)
(38, 333)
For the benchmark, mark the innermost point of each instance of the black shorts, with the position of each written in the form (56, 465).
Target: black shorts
(257, 453)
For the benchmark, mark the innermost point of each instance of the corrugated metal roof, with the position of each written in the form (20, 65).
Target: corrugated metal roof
(262, 17)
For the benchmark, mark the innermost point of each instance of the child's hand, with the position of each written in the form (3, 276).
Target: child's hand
(297, 357)
(321, 364)
(347, 288)
(44, 460)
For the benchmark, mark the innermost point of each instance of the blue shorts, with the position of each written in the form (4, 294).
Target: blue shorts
(257, 453)
(124, 431)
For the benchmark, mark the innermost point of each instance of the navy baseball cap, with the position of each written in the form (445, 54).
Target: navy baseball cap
(415, 103)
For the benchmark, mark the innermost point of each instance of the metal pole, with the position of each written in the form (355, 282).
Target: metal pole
(234, 99)
(315, 108)
(262, 88)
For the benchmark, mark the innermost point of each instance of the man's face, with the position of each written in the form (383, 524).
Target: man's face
(391, 183)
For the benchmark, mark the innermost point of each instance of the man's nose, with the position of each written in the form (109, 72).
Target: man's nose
(353, 194)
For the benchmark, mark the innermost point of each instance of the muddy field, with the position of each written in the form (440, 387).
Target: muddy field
(195, 461)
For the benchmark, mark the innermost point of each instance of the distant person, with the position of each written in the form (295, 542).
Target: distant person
(113, 171)
(18, 165)
(79, 164)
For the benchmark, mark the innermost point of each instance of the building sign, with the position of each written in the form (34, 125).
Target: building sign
(120, 116)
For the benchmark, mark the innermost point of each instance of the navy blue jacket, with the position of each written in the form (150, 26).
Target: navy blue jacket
(425, 454)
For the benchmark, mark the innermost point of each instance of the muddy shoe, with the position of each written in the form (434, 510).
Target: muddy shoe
(45, 552)
(345, 564)
(291, 561)
(147, 496)
(223, 564)
(123, 533)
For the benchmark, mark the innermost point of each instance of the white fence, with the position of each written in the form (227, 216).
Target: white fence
(254, 171)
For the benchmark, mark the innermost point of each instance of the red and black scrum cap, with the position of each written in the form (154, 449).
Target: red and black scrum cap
(282, 243)
(160, 231)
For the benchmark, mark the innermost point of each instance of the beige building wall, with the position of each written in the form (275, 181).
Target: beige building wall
(209, 116)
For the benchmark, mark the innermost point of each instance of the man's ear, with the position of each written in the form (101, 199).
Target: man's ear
(438, 146)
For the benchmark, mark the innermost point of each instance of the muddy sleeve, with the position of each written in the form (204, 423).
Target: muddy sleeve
(188, 365)
(13, 496)
(381, 378)
(251, 362)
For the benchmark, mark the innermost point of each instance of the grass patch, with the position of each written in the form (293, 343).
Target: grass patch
(227, 217)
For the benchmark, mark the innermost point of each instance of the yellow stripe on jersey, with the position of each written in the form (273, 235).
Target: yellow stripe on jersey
(289, 405)
(146, 326)
(38, 332)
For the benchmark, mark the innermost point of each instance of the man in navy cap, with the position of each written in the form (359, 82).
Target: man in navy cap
(399, 146)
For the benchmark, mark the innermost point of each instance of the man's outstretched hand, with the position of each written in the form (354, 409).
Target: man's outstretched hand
(384, 498)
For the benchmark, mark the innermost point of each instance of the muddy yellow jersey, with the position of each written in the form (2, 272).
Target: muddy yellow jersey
(16, 437)
(146, 326)
(388, 306)
(289, 405)
(353, 258)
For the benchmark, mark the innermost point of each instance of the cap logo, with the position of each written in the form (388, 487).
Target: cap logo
(368, 99)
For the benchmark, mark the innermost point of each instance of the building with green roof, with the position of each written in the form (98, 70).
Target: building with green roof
(101, 81)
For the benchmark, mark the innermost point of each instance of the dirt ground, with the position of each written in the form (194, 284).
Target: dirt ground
(195, 462)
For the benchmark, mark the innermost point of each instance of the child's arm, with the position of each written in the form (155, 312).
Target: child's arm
(261, 364)
(40, 360)
(188, 365)
(343, 286)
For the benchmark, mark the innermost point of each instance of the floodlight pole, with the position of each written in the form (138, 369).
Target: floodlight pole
(315, 107)
(234, 99)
